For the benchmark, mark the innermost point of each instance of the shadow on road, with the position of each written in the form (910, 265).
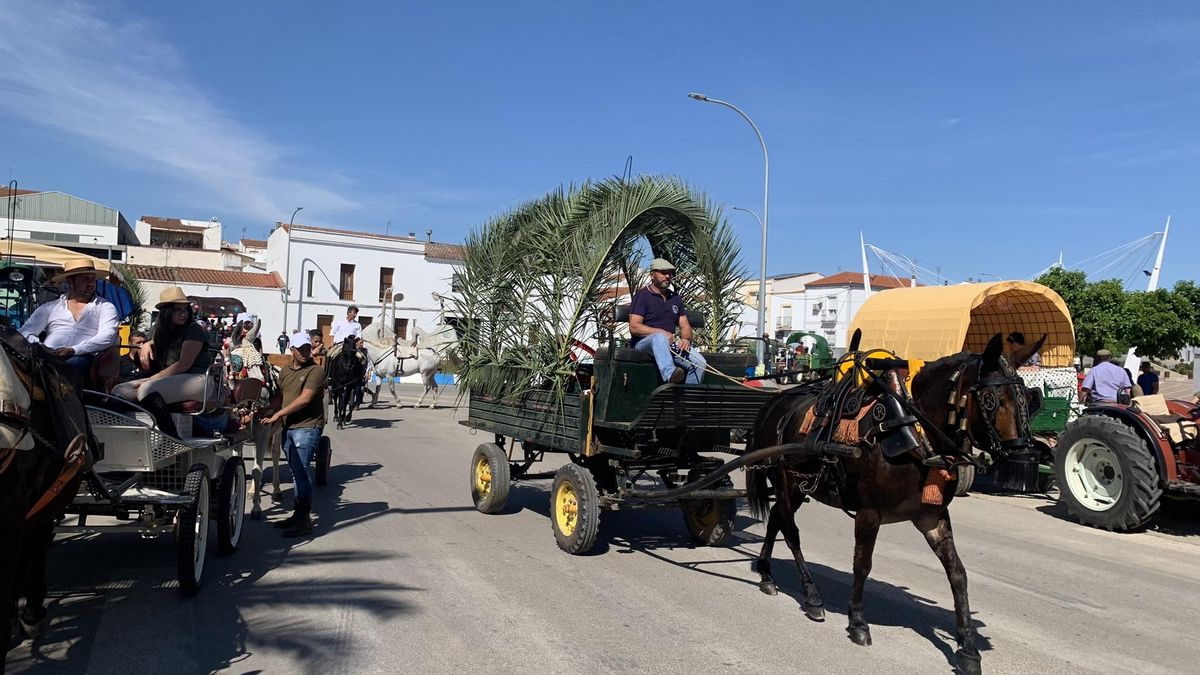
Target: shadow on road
(1178, 518)
(115, 606)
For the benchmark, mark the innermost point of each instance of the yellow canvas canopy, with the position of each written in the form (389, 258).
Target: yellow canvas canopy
(929, 322)
(50, 256)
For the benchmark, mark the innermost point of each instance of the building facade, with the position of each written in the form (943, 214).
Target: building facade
(69, 222)
(829, 303)
(326, 270)
(220, 293)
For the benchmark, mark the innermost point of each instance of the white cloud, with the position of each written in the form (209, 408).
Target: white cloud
(952, 121)
(123, 88)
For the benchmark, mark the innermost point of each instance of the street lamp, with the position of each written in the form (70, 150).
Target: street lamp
(763, 227)
(986, 274)
(287, 268)
(762, 272)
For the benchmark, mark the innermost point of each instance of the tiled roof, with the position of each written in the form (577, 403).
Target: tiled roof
(436, 251)
(254, 243)
(18, 192)
(855, 279)
(352, 233)
(200, 275)
(170, 224)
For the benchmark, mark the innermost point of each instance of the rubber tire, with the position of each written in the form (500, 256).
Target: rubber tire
(1140, 497)
(708, 534)
(229, 534)
(588, 503)
(324, 458)
(966, 478)
(192, 515)
(497, 496)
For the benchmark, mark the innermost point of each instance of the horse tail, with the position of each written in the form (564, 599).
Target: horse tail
(758, 493)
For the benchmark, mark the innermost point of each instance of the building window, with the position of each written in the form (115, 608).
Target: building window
(365, 321)
(401, 328)
(311, 275)
(385, 282)
(456, 283)
(346, 283)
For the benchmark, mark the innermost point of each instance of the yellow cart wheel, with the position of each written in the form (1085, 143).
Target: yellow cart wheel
(489, 478)
(574, 509)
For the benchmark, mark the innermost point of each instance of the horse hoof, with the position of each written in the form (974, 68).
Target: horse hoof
(817, 613)
(768, 587)
(256, 514)
(860, 635)
(968, 664)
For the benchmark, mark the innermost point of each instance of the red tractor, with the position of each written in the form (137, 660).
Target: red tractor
(1114, 464)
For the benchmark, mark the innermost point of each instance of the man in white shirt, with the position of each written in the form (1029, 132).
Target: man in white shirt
(78, 326)
(342, 329)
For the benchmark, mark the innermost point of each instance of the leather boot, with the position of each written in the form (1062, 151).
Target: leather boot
(158, 407)
(303, 525)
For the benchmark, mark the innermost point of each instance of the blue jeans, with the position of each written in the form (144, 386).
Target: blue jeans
(83, 364)
(667, 362)
(300, 446)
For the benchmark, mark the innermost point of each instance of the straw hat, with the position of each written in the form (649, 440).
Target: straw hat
(170, 296)
(74, 267)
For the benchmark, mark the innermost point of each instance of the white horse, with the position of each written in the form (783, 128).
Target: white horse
(392, 358)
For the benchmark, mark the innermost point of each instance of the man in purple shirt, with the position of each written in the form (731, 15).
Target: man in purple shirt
(654, 315)
(1104, 381)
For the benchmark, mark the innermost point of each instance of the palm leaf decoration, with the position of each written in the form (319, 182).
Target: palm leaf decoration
(536, 278)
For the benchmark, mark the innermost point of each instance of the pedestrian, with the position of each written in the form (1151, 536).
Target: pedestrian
(1148, 380)
(1106, 382)
(283, 341)
(303, 416)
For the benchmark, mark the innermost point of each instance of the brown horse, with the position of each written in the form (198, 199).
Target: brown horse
(960, 401)
(47, 447)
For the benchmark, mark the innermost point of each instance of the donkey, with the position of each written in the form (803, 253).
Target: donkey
(963, 401)
(45, 448)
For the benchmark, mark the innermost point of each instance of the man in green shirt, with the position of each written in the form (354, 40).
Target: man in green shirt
(303, 415)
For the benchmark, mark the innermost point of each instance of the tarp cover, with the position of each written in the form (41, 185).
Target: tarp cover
(929, 322)
(48, 255)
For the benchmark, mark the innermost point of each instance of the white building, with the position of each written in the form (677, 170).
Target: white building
(829, 303)
(59, 219)
(785, 295)
(219, 292)
(175, 242)
(256, 250)
(330, 269)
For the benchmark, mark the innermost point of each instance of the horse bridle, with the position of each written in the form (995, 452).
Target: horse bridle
(986, 394)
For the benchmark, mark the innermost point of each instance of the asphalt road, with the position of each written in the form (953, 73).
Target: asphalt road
(404, 576)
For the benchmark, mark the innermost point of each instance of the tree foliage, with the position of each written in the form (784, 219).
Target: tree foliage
(1107, 316)
(546, 274)
(136, 293)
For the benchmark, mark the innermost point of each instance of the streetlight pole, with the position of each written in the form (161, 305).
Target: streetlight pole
(987, 274)
(761, 282)
(762, 272)
(287, 268)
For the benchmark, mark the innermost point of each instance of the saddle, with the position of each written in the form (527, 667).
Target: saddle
(867, 405)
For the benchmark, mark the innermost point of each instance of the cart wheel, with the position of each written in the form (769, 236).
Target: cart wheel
(231, 505)
(574, 509)
(709, 522)
(191, 530)
(489, 478)
(966, 478)
(324, 457)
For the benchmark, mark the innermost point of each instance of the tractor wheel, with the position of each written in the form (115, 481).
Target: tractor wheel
(966, 478)
(1106, 474)
(574, 509)
(489, 478)
(709, 522)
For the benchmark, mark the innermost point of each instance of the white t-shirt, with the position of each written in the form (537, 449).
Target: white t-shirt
(345, 328)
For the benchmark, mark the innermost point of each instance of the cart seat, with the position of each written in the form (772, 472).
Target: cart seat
(1178, 429)
(186, 407)
(624, 355)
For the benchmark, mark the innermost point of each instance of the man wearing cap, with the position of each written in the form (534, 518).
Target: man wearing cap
(654, 315)
(303, 413)
(79, 325)
(1104, 381)
(343, 329)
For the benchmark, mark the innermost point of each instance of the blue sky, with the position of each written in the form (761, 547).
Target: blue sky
(976, 139)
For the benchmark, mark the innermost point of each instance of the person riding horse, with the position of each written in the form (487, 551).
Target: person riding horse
(347, 371)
